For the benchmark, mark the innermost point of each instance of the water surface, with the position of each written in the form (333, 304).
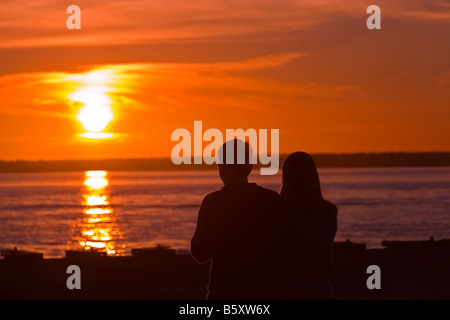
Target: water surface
(118, 211)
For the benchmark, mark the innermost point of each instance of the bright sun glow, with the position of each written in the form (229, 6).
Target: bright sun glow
(96, 200)
(97, 228)
(96, 112)
(95, 118)
(96, 180)
(96, 174)
(96, 135)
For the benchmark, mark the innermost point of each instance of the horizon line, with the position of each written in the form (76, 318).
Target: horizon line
(193, 157)
(349, 160)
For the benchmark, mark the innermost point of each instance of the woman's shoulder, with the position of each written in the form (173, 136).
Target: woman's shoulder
(324, 212)
(329, 207)
(329, 212)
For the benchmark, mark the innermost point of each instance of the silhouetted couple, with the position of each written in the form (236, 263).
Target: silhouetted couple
(264, 245)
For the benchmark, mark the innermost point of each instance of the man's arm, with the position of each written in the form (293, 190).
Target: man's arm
(202, 242)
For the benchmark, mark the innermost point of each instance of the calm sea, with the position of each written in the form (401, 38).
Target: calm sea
(118, 211)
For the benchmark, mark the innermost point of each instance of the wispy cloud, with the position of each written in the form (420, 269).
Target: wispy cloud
(138, 21)
(27, 23)
(442, 80)
(146, 86)
(428, 10)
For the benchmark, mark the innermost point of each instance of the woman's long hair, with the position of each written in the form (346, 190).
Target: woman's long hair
(300, 180)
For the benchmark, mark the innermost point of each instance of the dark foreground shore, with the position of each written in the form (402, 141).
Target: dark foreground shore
(409, 270)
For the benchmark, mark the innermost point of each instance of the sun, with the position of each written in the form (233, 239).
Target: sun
(96, 112)
(95, 118)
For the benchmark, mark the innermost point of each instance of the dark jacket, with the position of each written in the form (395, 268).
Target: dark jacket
(238, 229)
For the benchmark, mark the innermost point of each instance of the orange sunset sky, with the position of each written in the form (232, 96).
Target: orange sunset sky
(311, 69)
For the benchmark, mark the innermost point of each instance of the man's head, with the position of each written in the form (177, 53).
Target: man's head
(235, 161)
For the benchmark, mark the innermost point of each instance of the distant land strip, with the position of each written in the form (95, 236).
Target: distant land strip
(350, 160)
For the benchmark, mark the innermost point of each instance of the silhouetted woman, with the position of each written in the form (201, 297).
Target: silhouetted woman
(312, 225)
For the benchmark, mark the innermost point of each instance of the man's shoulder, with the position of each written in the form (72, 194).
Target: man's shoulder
(268, 191)
(248, 190)
(269, 194)
(212, 196)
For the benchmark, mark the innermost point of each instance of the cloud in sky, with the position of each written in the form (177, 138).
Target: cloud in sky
(27, 23)
(213, 92)
(148, 85)
(127, 22)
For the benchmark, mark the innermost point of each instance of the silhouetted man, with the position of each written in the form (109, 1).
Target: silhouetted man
(238, 228)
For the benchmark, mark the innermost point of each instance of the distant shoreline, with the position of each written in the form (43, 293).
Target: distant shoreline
(350, 160)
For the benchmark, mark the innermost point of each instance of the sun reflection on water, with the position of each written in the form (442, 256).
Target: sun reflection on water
(96, 229)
